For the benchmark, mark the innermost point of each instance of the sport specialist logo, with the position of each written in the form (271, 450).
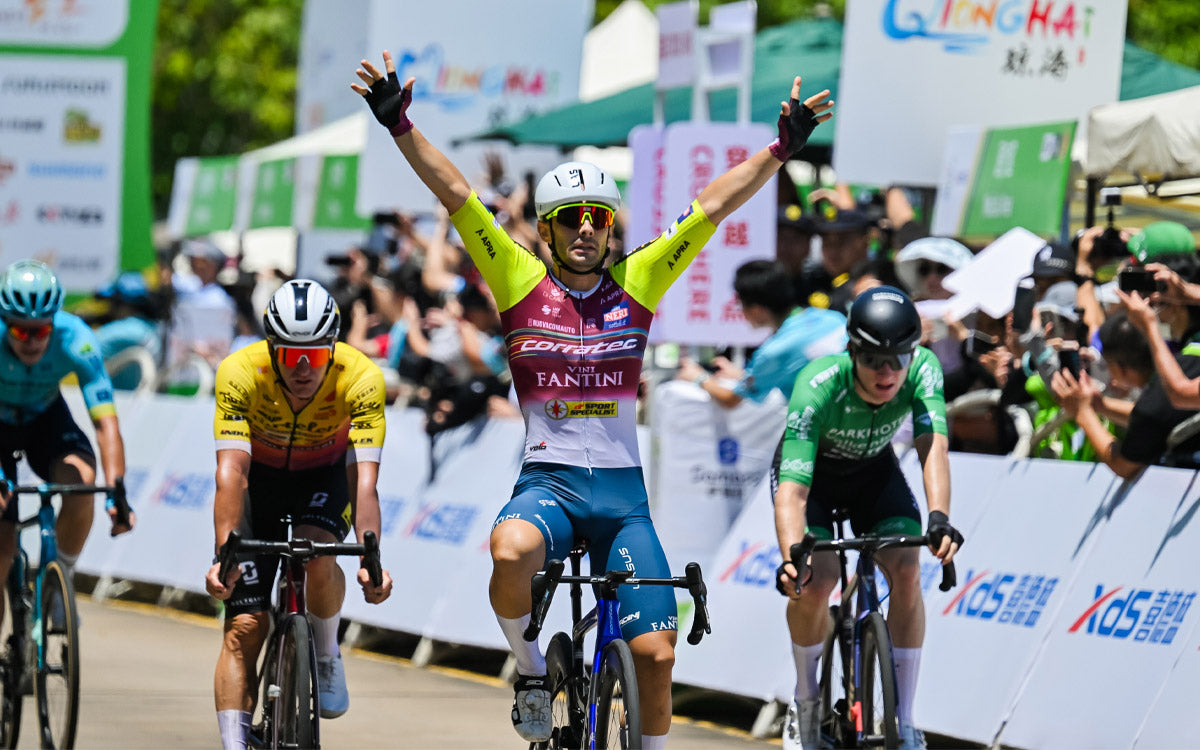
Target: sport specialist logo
(558, 409)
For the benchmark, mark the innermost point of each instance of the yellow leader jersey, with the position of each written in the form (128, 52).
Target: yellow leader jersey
(343, 423)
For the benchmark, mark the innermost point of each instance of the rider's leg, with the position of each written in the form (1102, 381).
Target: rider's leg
(518, 551)
(326, 590)
(233, 683)
(75, 516)
(654, 658)
(808, 622)
(906, 622)
(8, 548)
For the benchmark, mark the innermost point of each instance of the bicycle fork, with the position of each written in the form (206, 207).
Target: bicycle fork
(608, 616)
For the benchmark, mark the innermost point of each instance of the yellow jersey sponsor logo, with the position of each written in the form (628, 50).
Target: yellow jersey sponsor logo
(559, 409)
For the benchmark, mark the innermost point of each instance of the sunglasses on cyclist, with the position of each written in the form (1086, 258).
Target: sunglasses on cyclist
(925, 268)
(24, 333)
(573, 215)
(876, 360)
(290, 356)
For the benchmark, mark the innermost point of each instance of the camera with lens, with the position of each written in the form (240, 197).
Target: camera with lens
(1108, 246)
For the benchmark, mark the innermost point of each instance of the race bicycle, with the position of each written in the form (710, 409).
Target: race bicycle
(290, 703)
(39, 634)
(598, 708)
(857, 689)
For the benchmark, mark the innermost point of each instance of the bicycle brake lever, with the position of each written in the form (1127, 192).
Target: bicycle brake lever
(949, 577)
(542, 587)
(699, 591)
(370, 559)
(228, 555)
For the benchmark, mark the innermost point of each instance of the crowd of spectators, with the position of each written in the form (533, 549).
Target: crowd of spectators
(1083, 358)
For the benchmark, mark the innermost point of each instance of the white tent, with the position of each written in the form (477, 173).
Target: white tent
(1155, 138)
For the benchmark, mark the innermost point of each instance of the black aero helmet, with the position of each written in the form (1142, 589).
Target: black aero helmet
(883, 320)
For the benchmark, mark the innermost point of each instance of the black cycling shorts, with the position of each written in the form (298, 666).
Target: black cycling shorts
(313, 497)
(49, 437)
(873, 493)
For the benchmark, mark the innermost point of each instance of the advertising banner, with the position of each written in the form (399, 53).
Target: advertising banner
(74, 144)
(336, 190)
(710, 459)
(1006, 63)
(647, 188)
(468, 77)
(274, 191)
(1021, 180)
(701, 308)
(1129, 607)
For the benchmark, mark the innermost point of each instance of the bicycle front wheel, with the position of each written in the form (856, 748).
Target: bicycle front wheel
(12, 661)
(618, 715)
(878, 697)
(58, 669)
(294, 721)
(834, 690)
(566, 704)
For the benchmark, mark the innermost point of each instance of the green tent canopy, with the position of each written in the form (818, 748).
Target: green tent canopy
(809, 48)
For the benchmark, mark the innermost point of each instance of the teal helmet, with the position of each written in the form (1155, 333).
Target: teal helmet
(29, 289)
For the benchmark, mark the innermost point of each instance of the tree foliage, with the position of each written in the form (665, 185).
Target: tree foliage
(224, 80)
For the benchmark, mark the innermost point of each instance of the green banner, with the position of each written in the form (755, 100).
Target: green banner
(1020, 180)
(214, 195)
(75, 104)
(335, 194)
(274, 190)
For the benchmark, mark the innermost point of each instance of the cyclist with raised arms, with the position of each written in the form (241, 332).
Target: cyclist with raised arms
(575, 335)
(42, 345)
(299, 430)
(836, 453)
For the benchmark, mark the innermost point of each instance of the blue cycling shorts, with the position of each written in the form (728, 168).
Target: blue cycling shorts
(608, 508)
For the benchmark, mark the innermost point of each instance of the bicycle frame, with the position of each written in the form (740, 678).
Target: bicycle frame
(605, 617)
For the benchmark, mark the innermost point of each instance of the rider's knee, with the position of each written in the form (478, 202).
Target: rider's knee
(819, 587)
(516, 542)
(321, 568)
(656, 653)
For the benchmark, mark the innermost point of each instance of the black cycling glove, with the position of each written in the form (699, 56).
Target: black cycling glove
(389, 102)
(939, 527)
(794, 130)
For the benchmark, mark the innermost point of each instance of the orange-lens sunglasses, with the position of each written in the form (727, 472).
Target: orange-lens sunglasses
(24, 333)
(572, 215)
(290, 356)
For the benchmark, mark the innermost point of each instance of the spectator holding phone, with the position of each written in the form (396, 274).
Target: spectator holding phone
(1127, 353)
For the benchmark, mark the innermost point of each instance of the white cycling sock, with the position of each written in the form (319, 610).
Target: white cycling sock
(233, 724)
(654, 742)
(529, 655)
(807, 659)
(68, 562)
(908, 664)
(325, 633)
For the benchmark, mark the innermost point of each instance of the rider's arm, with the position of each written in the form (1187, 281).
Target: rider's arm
(233, 472)
(364, 496)
(934, 451)
(791, 499)
(112, 447)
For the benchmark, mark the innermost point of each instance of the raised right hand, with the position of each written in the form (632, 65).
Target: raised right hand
(385, 96)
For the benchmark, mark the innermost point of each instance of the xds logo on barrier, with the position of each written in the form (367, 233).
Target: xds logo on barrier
(186, 491)
(1009, 598)
(754, 566)
(1139, 614)
(442, 523)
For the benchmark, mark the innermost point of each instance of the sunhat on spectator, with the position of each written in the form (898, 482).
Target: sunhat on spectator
(1054, 259)
(204, 248)
(1060, 300)
(933, 249)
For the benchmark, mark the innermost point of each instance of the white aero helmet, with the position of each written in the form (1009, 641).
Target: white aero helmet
(575, 182)
(301, 312)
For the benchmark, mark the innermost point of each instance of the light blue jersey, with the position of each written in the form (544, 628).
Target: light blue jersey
(806, 334)
(27, 391)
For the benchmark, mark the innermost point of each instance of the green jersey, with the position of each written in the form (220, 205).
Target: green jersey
(828, 421)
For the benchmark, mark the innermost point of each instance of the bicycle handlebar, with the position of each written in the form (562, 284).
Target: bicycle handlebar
(543, 584)
(800, 551)
(115, 492)
(302, 549)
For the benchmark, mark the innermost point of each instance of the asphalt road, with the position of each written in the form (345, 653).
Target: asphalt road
(147, 683)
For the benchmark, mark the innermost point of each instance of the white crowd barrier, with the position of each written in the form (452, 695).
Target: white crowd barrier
(1072, 626)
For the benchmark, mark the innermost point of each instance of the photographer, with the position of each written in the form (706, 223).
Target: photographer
(1127, 354)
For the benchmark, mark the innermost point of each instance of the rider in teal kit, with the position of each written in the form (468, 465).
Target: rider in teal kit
(575, 334)
(42, 345)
